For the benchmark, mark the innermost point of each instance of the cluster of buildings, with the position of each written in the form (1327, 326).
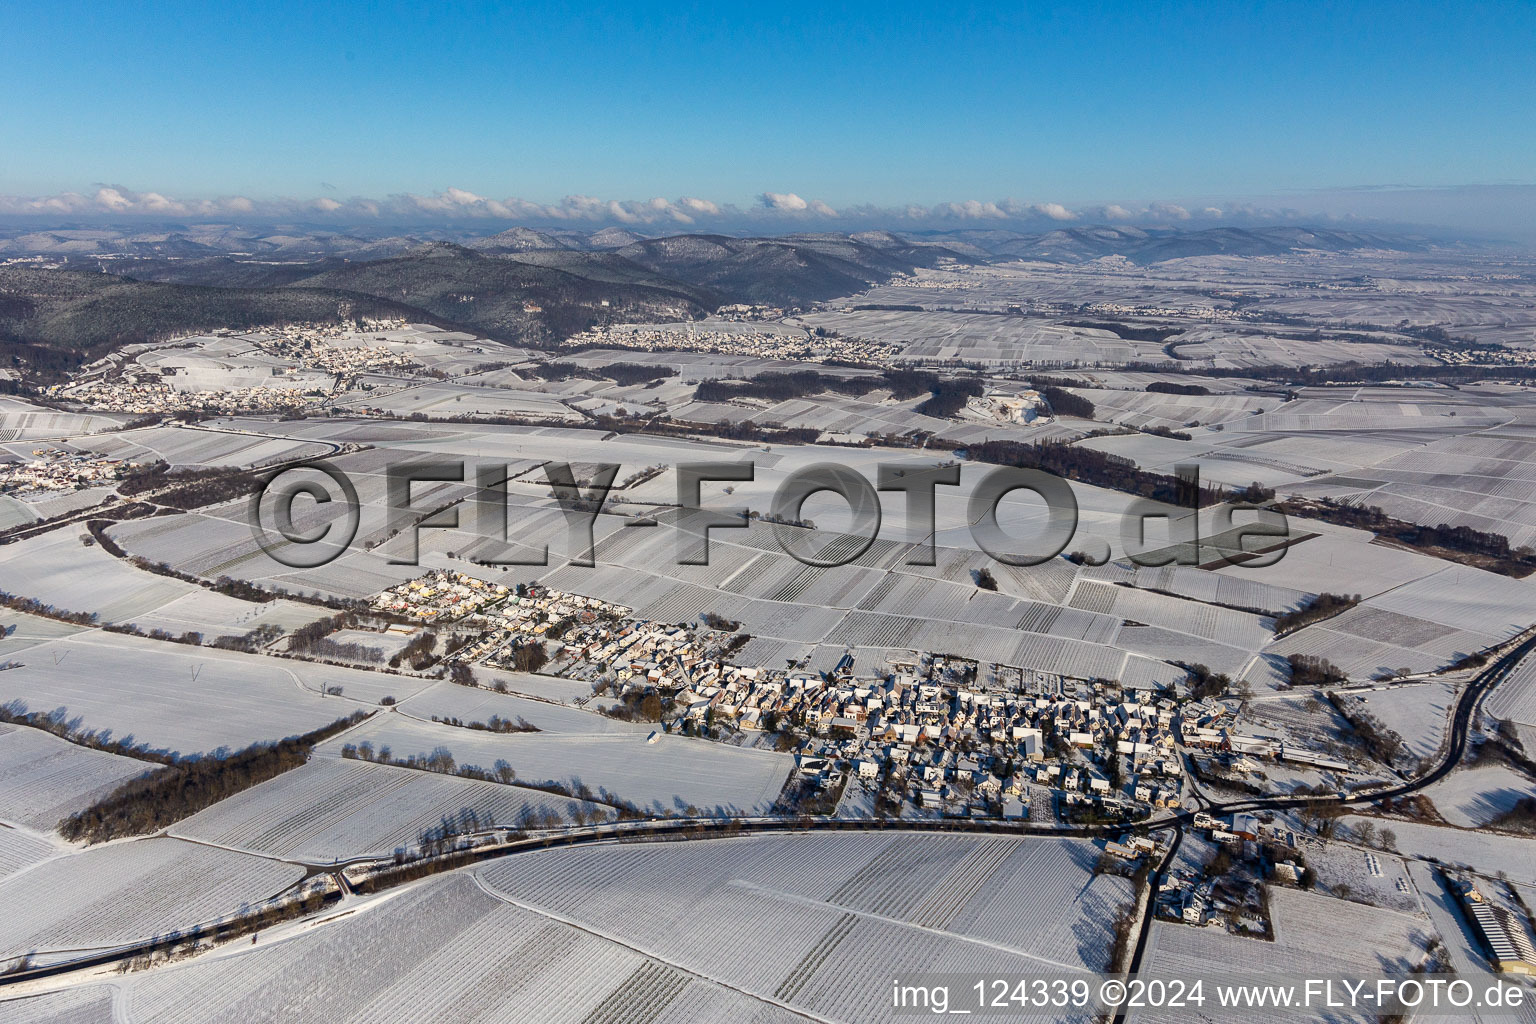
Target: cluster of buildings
(926, 733)
(745, 313)
(143, 393)
(931, 736)
(53, 469)
(440, 596)
(1210, 726)
(764, 345)
(1197, 312)
(1483, 356)
(583, 637)
(1232, 895)
(313, 347)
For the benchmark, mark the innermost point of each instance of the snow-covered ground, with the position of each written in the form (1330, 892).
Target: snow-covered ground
(1371, 876)
(475, 704)
(657, 771)
(1515, 698)
(131, 890)
(1418, 713)
(44, 779)
(1315, 937)
(184, 698)
(1484, 851)
(1475, 796)
(769, 929)
(333, 808)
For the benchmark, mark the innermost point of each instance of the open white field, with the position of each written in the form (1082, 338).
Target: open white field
(1473, 797)
(1486, 852)
(821, 921)
(768, 929)
(836, 414)
(444, 401)
(444, 952)
(990, 339)
(124, 891)
(1332, 438)
(1152, 409)
(204, 446)
(215, 615)
(1363, 875)
(1419, 713)
(474, 704)
(1227, 348)
(21, 849)
(20, 420)
(1315, 937)
(44, 779)
(85, 1004)
(671, 773)
(337, 809)
(15, 512)
(55, 568)
(175, 697)
(24, 631)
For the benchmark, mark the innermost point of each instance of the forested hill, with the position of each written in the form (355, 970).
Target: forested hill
(51, 320)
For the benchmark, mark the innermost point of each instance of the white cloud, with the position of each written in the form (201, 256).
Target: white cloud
(1055, 211)
(1169, 210)
(784, 202)
(768, 213)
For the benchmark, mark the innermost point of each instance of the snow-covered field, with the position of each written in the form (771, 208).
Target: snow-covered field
(1515, 698)
(20, 849)
(822, 921)
(57, 569)
(475, 704)
(113, 894)
(43, 778)
(669, 774)
(334, 808)
(1475, 796)
(1486, 852)
(1372, 876)
(771, 930)
(1419, 713)
(181, 698)
(1315, 937)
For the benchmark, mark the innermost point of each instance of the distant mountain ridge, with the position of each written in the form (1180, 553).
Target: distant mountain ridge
(1076, 244)
(522, 285)
(1146, 246)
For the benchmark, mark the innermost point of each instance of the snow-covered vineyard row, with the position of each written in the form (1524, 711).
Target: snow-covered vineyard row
(43, 778)
(588, 934)
(342, 808)
(133, 890)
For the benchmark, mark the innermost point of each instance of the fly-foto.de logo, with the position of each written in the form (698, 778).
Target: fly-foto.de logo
(308, 515)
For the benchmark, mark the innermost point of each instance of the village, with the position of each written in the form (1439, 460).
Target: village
(53, 469)
(720, 340)
(313, 347)
(930, 736)
(148, 394)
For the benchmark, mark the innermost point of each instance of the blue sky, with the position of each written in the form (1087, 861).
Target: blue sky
(881, 104)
